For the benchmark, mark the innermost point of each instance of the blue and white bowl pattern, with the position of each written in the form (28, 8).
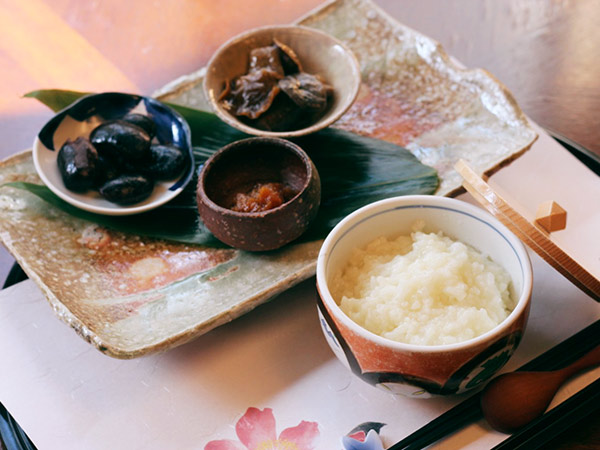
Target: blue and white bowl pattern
(80, 118)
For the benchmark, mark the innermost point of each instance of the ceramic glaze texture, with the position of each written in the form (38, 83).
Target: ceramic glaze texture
(401, 372)
(419, 370)
(415, 95)
(410, 87)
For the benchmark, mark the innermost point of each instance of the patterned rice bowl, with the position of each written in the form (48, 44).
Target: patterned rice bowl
(423, 370)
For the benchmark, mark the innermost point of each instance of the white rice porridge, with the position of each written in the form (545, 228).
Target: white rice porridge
(424, 289)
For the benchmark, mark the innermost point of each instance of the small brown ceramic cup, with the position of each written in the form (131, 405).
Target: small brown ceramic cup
(237, 168)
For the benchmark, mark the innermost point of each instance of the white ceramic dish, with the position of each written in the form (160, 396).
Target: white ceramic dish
(80, 118)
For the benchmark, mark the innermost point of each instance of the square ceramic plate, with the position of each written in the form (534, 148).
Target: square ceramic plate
(129, 296)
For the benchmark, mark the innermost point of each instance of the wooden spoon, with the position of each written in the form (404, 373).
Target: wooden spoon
(514, 399)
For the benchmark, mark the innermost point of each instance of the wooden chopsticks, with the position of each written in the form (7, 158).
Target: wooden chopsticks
(536, 239)
(469, 410)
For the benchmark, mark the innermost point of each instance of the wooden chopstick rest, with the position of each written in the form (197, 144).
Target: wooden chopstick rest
(534, 237)
(551, 216)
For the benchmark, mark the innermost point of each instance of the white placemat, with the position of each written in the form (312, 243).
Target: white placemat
(67, 395)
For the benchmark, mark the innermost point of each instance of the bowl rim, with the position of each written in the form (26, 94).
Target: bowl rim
(320, 124)
(284, 144)
(118, 210)
(477, 213)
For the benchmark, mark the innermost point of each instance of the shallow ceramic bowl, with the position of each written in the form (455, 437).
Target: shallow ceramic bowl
(318, 52)
(417, 370)
(80, 118)
(236, 168)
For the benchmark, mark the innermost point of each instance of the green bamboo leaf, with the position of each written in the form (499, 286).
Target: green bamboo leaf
(176, 222)
(355, 170)
(55, 99)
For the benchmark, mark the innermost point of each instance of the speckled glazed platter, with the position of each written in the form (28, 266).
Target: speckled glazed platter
(129, 295)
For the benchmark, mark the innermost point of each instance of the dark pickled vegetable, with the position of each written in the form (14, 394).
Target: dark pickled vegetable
(252, 94)
(121, 142)
(289, 60)
(283, 115)
(276, 94)
(77, 163)
(127, 189)
(266, 58)
(306, 90)
(144, 122)
(167, 162)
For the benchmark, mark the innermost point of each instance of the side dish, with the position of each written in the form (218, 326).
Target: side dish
(275, 94)
(119, 160)
(258, 194)
(262, 197)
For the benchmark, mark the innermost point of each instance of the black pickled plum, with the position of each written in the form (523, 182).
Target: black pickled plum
(77, 161)
(144, 122)
(121, 142)
(167, 162)
(105, 170)
(127, 189)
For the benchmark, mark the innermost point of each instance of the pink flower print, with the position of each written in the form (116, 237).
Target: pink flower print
(256, 431)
